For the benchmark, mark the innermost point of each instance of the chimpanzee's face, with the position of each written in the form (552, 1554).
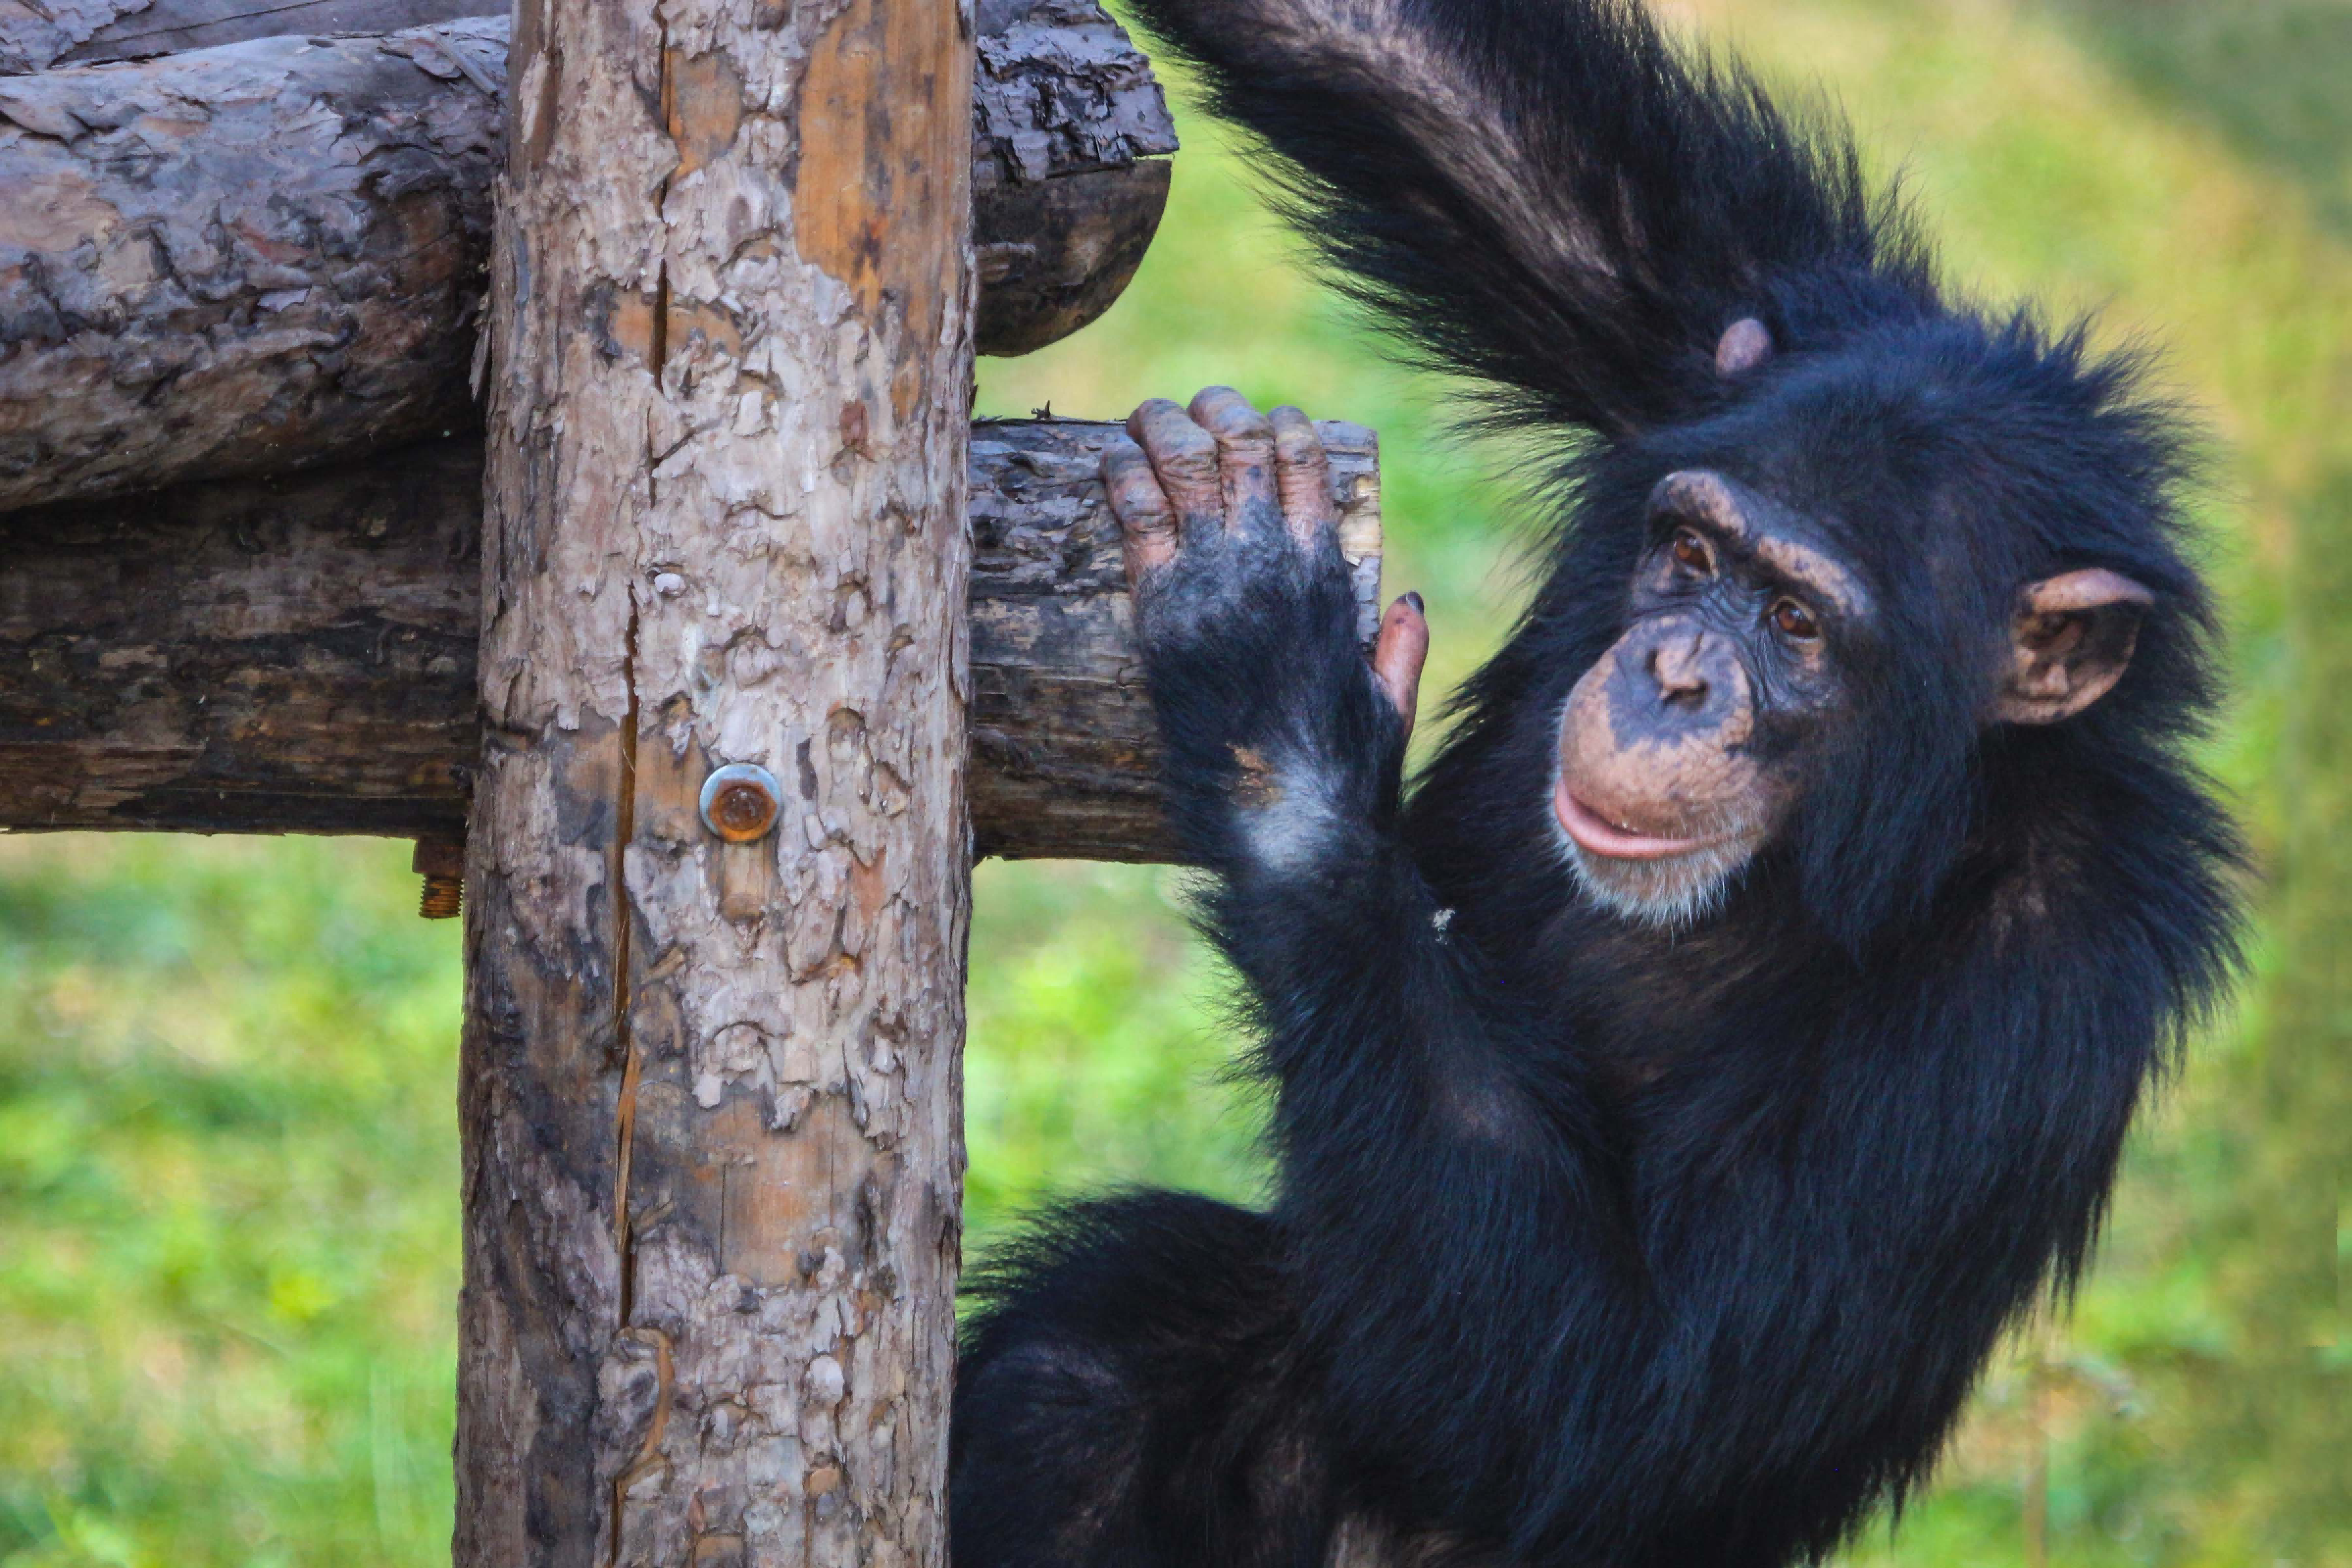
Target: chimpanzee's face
(1752, 637)
(1683, 748)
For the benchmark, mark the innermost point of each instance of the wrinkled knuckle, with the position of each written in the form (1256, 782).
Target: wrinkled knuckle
(1307, 492)
(1145, 511)
(1254, 453)
(1195, 462)
(1240, 426)
(1133, 488)
(1183, 435)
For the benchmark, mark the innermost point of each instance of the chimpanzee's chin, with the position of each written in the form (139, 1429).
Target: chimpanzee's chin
(1672, 893)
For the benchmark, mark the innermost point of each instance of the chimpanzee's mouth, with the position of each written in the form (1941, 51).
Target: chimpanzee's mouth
(1595, 834)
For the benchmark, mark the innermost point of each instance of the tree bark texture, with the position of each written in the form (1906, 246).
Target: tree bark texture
(36, 35)
(297, 654)
(1065, 191)
(251, 258)
(239, 258)
(709, 1091)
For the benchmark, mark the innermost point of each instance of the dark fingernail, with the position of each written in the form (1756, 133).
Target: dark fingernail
(1414, 600)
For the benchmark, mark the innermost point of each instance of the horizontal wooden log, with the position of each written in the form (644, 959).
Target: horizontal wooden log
(297, 654)
(36, 35)
(1064, 194)
(241, 257)
(255, 258)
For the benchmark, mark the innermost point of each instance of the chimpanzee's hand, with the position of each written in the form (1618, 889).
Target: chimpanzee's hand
(1247, 617)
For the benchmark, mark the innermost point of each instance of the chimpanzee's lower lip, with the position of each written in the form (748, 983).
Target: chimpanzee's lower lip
(1596, 836)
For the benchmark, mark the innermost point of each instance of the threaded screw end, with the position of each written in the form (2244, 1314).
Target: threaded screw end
(444, 898)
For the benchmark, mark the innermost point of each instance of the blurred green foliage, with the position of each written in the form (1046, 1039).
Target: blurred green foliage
(228, 1156)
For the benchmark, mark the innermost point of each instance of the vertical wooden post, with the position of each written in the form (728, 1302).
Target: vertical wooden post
(713, 1149)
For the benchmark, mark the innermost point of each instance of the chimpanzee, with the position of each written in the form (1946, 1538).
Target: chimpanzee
(1737, 1028)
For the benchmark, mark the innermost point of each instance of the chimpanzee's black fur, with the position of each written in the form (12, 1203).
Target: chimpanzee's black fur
(1599, 1245)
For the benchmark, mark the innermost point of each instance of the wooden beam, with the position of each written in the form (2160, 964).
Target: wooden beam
(35, 37)
(255, 258)
(1067, 191)
(297, 654)
(709, 1085)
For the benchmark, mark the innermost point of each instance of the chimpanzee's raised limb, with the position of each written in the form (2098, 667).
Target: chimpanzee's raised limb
(1739, 1024)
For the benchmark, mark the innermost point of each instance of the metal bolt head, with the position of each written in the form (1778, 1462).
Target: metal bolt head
(741, 802)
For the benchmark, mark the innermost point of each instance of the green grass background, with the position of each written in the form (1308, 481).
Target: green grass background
(228, 1149)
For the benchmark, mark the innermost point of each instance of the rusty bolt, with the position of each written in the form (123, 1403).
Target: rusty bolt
(741, 801)
(442, 863)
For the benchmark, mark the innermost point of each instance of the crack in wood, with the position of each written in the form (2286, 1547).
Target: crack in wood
(623, 929)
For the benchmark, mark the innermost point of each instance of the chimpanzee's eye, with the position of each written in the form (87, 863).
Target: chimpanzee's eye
(1794, 621)
(1690, 551)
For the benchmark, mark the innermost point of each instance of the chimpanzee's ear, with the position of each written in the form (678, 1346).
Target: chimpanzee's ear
(1744, 344)
(2069, 641)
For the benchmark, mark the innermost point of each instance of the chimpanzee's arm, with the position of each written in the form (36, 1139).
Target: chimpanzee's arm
(1548, 194)
(1445, 1184)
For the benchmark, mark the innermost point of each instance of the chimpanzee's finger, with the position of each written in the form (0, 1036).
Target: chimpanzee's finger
(1147, 519)
(1186, 457)
(1244, 457)
(1397, 655)
(1303, 474)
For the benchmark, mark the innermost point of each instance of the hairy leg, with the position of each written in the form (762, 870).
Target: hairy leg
(1131, 1396)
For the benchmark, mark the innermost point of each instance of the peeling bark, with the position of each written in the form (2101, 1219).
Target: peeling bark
(253, 259)
(1061, 89)
(297, 654)
(36, 35)
(241, 257)
(711, 1090)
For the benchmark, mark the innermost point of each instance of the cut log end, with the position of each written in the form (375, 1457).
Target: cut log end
(1054, 255)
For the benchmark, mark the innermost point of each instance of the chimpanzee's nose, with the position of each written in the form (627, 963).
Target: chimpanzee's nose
(1676, 665)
